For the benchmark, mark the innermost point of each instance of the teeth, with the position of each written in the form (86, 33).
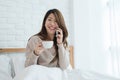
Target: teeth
(52, 28)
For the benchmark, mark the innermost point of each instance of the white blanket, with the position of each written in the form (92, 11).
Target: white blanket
(37, 72)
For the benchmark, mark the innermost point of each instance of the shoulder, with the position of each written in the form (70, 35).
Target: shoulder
(34, 38)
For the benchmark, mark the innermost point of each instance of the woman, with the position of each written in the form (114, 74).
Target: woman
(58, 55)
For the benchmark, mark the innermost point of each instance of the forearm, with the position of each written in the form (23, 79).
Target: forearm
(63, 57)
(45, 57)
(31, 58)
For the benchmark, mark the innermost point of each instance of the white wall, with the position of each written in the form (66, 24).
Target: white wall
(19, 19)
(88, 27)
(81, 29)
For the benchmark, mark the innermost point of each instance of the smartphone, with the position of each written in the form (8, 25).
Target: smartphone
(56, 33)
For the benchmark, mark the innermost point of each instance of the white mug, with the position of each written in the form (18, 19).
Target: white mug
(47, 44)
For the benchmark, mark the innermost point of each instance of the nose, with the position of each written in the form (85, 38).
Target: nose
(52, 23)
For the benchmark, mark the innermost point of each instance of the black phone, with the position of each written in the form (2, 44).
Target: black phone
(56, 33)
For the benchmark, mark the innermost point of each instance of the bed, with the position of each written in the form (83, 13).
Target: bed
(11, 57)
(10, 70)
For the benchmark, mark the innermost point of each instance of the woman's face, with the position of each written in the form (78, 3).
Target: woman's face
(51, 24)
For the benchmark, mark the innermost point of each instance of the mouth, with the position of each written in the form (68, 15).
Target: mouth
(52, 28)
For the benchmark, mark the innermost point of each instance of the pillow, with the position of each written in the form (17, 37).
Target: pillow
(6, 68)
(18, 60)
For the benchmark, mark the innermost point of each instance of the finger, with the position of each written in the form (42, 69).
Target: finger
(59, 29)
(58, 32)
(39, 45)
(60, 35)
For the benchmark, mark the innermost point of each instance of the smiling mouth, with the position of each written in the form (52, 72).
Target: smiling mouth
(52, 28)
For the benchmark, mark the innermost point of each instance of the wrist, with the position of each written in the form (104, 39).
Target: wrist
(35, 53)
(59, 43)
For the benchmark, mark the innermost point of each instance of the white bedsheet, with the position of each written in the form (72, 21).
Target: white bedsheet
(37, 72)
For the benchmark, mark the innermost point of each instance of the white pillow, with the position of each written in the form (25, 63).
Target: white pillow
(6, 68)
(18, 61)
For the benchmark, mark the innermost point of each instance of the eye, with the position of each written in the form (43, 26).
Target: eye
(49, 20)
(55, 21)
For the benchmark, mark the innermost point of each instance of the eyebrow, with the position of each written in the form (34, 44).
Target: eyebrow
(50, 17)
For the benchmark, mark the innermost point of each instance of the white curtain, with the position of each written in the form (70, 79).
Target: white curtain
(114, 34)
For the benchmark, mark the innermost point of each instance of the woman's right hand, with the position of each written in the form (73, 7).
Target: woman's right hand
(38, 49)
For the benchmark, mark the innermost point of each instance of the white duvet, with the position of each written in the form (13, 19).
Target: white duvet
(37, 72)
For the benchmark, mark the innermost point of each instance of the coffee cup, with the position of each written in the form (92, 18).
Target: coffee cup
(47, 44)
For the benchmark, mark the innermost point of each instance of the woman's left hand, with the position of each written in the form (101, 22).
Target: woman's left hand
(59, 36)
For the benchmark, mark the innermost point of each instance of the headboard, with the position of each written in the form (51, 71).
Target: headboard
(22, 50)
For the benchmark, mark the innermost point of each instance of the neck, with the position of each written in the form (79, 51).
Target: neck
(50, 37)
